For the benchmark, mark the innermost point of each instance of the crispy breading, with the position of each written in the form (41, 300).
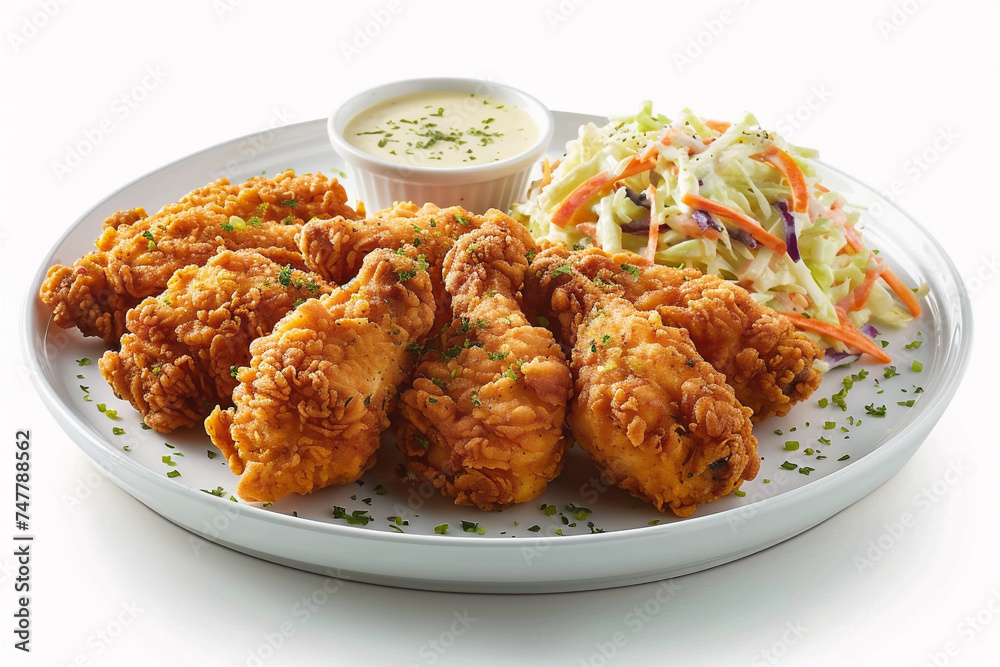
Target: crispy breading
(656, 418)
(183, 347)
(768, 362)
(137, 254)
(483, 421)
(312, 405)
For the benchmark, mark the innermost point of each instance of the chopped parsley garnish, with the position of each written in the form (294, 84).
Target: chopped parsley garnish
(218, 492)
(173, 473)
(879, 411)
(85, 361)
(290, 203)
(564, 270)
(788, 466)
(285, 275)
(441, 529)
(889, 372)
(470, 527)
(631, 270)
(357, 517)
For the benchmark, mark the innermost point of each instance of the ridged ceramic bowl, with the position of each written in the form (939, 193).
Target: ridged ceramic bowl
(380, 182)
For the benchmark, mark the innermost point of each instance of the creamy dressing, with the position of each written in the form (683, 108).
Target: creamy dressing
(442, 129)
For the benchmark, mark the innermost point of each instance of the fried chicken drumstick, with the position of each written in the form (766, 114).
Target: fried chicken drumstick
(767, 361)
(483, 421)
(312, 405)
(656, 418)
(137, 254)
(183, 347)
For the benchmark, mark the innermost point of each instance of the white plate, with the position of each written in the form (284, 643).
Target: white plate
(525, 549)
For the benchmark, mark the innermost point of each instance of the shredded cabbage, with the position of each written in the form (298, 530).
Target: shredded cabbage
(711, 160)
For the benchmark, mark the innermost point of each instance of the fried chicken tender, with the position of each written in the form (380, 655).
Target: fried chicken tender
(767, 361)
(183, 347)
(136, 254)
(656, 418)
(335, 248)
(312, 405)
(483, 421)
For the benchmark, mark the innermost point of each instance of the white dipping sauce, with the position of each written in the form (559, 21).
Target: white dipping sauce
(442, 129)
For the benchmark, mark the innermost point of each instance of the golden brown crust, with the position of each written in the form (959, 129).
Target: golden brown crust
(483, 421)
(182, 349)
(311, 406)
(656, 418)
(136, 255)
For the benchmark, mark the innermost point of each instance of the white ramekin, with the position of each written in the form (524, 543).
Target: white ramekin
(379, 183)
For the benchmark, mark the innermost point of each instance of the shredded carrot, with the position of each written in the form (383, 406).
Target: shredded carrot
(654, 227)
(853, 237)
(719, 126)
(578, 197)
(584, 192)
(786, 164)
(738, 218)
(846, 333)
(859, 295)
(546, 174)
(904, 293)
(821, 187)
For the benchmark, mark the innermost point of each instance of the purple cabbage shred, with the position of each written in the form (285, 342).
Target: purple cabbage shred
(791, 240)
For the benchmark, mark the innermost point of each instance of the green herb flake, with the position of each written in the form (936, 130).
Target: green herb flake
(117, 430)
(534, 529)
(879, 411)
(173, 473)
(441, 529)
(631, 270)
(788, 466)
(805, 471)
(791, 445)
(917, 366)
(889, 372)
(355, 518)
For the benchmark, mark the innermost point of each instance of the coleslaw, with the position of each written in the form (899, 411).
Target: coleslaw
(730, 199)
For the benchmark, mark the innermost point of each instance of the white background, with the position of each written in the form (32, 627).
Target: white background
(902, 95)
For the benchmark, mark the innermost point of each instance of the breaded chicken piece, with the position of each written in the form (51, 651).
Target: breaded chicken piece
(136, 254)
(335, 248)
(767, 361)
(312, 405)
(183, 348)
(483, 421)
(656, 418)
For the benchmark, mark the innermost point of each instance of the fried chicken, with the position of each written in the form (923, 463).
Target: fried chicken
(312, 405)
(335, 248)
(767, 361)
(483, 421)
(183, 347)
(656, 418)
(137, 254)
